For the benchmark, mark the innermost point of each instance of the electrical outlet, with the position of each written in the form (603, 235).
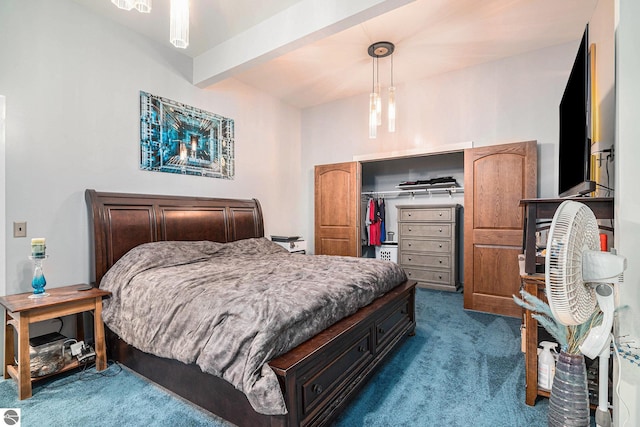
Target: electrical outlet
(20, 229)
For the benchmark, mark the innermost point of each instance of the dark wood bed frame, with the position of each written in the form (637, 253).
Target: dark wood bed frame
(317, 378)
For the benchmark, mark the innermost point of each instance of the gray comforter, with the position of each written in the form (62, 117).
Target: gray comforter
(230, 308)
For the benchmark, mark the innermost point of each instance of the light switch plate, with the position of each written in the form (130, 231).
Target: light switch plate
(20, 229)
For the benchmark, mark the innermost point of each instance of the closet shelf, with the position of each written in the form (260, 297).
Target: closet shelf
(414, 191)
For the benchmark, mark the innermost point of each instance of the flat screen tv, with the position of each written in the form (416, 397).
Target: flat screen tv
(575, 140)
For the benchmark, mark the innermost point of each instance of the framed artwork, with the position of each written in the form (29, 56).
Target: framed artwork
(178, 138)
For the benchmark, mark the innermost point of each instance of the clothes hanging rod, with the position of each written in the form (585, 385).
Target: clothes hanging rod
(449, 190)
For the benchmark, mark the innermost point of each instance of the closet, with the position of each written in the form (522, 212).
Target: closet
(491, 182)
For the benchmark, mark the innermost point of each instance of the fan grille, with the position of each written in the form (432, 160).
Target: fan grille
(574, 229)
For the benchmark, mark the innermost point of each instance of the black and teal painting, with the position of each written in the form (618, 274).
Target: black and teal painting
(178, 138)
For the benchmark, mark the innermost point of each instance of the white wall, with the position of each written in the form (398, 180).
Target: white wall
(511, 100)
(72, 80)
(627, 204)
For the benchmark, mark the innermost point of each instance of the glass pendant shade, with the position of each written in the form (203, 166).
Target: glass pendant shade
(378, 105)
(179, 23)
(143, 6)
(391, 109)
(373, 120)
(123, 4)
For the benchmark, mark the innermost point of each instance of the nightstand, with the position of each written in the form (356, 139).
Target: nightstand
(21, 311)
(294, 246)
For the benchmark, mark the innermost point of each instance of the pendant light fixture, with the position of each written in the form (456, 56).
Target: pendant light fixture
(179, 23)
(178, 18)
(376, 51)
(123, 4)
(143, 6)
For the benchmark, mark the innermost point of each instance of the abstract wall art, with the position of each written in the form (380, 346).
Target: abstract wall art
(178, 138)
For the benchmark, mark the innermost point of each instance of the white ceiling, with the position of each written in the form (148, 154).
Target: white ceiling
(326, 57)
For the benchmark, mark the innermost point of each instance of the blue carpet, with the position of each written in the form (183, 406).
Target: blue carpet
(461, 369)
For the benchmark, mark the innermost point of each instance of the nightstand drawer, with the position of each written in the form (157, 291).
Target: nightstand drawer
(425, 230)
(294, 246)
(439, 246)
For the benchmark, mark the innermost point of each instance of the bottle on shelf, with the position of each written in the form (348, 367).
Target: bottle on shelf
(546, 364)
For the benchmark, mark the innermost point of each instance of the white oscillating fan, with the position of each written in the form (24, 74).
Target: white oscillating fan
(578, 276)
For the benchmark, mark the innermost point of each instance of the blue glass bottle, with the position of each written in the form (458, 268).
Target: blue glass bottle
(38, 282)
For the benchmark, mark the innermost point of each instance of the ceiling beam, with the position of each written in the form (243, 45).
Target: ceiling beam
(305, 22)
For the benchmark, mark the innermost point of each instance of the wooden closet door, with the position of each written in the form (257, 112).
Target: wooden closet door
(496, 178)
(337, 209)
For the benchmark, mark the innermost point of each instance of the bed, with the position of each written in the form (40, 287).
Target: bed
(316, 378)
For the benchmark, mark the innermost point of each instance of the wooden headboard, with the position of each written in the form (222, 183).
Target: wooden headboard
(122, 221)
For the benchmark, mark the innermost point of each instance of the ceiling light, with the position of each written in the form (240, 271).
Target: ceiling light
(179, 23)
(376, 51)
(143, 6)
(123, 4)
(178, 19)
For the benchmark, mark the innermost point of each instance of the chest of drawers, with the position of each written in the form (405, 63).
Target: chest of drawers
(428, 245)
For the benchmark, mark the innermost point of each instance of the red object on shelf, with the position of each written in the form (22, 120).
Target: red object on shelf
(603, 242)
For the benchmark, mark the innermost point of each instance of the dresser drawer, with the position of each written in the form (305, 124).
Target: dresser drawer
(428, 275)
(425, 230)
(423, 260)
(439, 246)
(431, 214)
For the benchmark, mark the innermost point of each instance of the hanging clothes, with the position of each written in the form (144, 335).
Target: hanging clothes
(381, 215)
(374, 227)
(364, 220)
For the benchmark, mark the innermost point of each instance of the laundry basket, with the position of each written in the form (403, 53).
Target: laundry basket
(387, 252)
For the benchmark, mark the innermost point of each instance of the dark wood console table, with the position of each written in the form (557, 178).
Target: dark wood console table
(536, 209)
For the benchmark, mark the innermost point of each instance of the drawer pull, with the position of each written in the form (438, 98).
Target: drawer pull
(409, 244)
(440, 245)
(440, 261)
(409, 273)
(381, 331)
(409, 214)
(440, 277)
(410, 229)
(361, 348)
(440, 213)
(409, 258)
(316, 388)
(440, 230)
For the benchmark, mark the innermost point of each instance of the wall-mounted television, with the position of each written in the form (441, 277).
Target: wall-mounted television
(575, 133)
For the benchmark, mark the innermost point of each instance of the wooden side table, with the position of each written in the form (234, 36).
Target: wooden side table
(21, 311)
(533, 284)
